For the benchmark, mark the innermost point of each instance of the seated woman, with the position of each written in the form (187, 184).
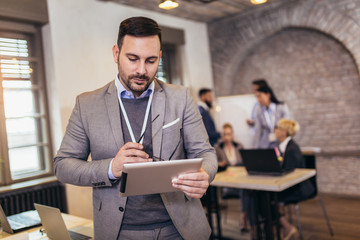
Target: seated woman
(292, 158)
(228, 154)
(227, 150)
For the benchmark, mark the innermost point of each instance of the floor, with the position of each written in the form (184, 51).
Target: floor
(344, 214)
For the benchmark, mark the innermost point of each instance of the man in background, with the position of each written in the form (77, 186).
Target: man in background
(205, 104)
(137, 118)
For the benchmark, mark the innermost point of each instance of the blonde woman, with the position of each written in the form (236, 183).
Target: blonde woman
(285, 130)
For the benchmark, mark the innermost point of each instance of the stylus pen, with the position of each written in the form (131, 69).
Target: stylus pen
(142, 135)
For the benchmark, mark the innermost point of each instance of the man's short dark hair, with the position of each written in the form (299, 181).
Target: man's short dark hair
(138, 27)
(204, 91)
(261, 83)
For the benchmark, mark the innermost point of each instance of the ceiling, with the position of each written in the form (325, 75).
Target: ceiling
(199, 10)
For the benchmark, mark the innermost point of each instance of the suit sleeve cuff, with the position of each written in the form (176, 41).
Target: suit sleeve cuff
(110, 173)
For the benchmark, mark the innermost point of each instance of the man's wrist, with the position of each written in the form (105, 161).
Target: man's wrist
(110, 173)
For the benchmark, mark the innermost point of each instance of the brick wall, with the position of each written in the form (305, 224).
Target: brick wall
(309, 51)
(338, 174)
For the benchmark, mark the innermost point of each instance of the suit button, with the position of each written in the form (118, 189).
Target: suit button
(121, 209)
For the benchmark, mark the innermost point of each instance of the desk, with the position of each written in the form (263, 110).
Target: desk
(73, 222)
(237, 177)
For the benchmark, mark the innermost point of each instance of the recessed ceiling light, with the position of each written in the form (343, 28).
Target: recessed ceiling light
(168, 4)
(258, 1)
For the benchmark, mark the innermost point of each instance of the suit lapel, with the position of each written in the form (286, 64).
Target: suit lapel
(158, 112)
(113, 110)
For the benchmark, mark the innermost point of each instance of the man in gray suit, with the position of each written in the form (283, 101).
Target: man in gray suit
(137, 118)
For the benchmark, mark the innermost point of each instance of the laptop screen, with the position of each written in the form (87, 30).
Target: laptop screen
(261, 161)
(19, 222)
(54, 224)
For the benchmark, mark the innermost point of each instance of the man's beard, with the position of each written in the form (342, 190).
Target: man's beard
(132, 86)
(208, 103)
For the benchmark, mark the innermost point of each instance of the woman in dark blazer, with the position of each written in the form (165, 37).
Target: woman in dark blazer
(228, 154)
(292, 158)
(228, 150)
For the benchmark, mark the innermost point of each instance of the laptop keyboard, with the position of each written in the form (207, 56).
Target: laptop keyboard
(78, 236)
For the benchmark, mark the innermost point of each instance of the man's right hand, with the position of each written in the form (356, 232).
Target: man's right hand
(129, 153)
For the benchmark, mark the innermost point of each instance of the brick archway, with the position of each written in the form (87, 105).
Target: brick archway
(233, 38)
(318, 79)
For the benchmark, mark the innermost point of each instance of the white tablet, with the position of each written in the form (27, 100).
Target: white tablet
(154, 177)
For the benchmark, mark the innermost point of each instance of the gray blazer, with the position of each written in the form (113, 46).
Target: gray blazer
(95, 127)
(262, 130)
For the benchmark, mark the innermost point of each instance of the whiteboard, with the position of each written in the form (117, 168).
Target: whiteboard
(235, 110)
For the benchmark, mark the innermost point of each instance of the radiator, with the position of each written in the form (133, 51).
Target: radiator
(51, 194)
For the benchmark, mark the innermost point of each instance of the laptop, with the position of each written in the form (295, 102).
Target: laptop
(55, 227)
(19, 222)
(262, 162)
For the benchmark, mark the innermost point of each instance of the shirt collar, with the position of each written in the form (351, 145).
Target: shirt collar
(272, 107)
(203, 105)
(283, 144)
(128, 94)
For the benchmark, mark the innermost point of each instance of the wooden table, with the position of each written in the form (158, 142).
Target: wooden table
(77, 224)
(237, 177)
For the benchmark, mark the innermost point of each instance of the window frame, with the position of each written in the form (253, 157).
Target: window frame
(32, 33)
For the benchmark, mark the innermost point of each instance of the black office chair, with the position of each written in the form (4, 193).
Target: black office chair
(310, 162)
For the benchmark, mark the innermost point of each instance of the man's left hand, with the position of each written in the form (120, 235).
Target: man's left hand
(192, 184)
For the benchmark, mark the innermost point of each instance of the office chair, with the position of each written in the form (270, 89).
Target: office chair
(311, 164)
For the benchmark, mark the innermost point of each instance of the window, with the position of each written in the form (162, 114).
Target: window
(168, 70)
(25, 148)
(170, 65)
(161, 73)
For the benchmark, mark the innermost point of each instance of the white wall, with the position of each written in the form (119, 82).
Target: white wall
(243, 106)
(78, 55)
(82, 33)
